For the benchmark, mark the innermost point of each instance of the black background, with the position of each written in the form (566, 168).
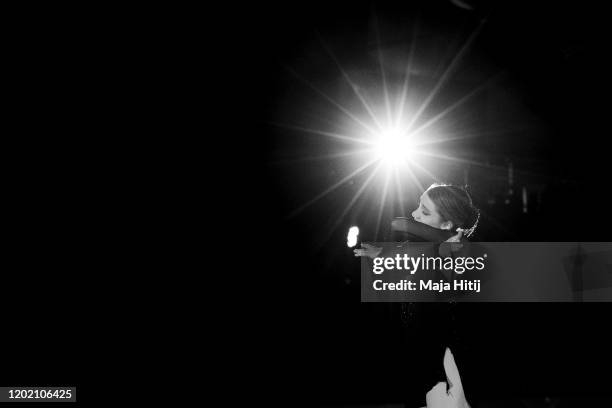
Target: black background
(108, 91)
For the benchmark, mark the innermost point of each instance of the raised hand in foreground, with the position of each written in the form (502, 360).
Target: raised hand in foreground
(439, 397)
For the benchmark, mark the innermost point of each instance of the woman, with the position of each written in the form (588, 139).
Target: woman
(432, 327)
(442, 206)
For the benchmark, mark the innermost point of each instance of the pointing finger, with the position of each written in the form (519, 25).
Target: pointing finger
(452, 372)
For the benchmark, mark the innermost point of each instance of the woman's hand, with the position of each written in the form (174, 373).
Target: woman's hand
(456, 238)
(368, 250)
(445, 250)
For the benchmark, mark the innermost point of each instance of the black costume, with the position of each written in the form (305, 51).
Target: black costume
(428, 328)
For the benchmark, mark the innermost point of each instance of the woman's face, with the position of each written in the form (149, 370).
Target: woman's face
(427, 213)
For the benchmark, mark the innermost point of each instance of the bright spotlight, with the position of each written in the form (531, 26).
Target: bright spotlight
(393, 147)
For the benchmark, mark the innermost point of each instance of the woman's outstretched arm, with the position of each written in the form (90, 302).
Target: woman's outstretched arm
(420, 231)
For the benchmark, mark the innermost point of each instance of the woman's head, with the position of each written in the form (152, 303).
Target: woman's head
(447, 207)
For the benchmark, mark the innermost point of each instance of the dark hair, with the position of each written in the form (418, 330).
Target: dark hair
(455, 204)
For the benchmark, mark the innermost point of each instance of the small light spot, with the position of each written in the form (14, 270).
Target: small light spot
(351, 239)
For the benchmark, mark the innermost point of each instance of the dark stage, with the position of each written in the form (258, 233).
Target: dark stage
(530, 139)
